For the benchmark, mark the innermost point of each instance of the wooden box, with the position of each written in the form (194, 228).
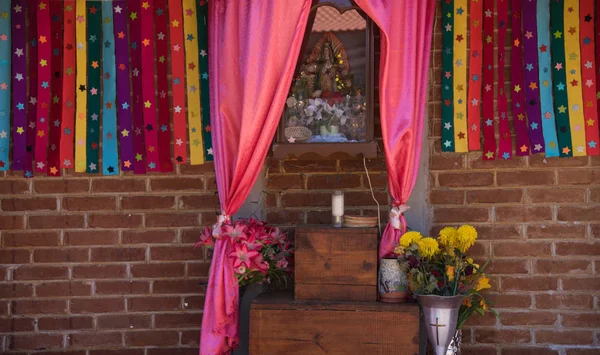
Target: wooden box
(336, 264)
(280, 325)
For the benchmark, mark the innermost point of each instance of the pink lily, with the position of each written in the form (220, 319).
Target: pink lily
(242, 256)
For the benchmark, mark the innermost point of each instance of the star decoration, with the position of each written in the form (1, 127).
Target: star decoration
(574, 82)
(529, 35)
(543, 48)
(566, 150)
(489, 155)
(592, 144)
(133, 16)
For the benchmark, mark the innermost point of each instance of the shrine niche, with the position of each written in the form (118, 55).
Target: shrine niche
(329, 108)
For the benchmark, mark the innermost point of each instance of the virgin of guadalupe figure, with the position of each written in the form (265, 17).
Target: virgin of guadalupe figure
(326, 70)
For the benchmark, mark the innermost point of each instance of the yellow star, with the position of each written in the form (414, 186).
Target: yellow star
(4, 15)
(175, 23)
(557, 34)
(475, 23)
(590, 122)
(589, 104)
(459, 88)
(489, 154)
(145, 5)
(125, 133)
(562, 109)
(42, 6)
(488, 39)
(146, 42)
(521, 117)
(20, 130)
(517, 88)
(106, 20)
(545, 83)
(552, 144)
(147, 104)
(43, 62)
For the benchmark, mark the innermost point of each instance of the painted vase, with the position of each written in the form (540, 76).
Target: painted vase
(393, 282)
(440, 315)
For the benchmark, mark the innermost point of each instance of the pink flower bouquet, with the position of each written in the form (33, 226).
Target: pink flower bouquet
(258, 252)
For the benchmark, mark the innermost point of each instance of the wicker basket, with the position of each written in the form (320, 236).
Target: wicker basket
(300, 133)
(359, 221)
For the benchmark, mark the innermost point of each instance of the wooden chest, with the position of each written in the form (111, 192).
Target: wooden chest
(336, 264)
(280, 325)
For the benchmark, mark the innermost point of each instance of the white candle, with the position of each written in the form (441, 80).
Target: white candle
(337, 203)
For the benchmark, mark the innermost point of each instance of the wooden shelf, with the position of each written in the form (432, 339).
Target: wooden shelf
(325, 151)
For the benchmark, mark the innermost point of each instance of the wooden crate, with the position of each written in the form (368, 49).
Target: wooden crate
(336, 264)
(280, 325)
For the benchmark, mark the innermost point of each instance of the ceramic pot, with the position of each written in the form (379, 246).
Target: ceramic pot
(393, 282)
(440, 314)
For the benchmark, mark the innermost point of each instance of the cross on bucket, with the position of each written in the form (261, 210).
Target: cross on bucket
(437, 326)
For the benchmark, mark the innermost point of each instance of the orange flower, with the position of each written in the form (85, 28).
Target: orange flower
(467, 302)
(483, 305)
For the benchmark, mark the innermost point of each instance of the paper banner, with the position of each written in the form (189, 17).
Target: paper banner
(475, 66)
(68, 85)
(545, 75)
(19, 85)
(56, 18)
(44, 44)
(136, 84)
(178, 81)
(94, 67)
(447, 79)
(190, 28)
(123, 102)
(460, 76)
(489, 137)
(588, 75)
(31, 104)
(573, 71)
(505, 146)
(161, 20)
(517, 93)
(148, 86)
(110, 155)
(204, 91)
(82, 87)
(531, 84)
(6, 33)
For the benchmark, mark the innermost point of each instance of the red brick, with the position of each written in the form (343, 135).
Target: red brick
(478, 320)
(189, 338)
(40, 273)
(595, 230)
(151, 338)
(529, 350)
(126, 287)
(56, 221)
(363, 198)
(175, 253)
(12, 222)
(316, 166)
(194, 302)
(554, 301)
(178, 286)
(180, 219)
(332, 182)
(475, 161)
(468, 349)
(580, 214)
(161, 270)
(523, 214)
(595, 195)
(118, 254)
(114, 220)
(286, 182)
(89, 203)
(524, 178)
(178, 320)
(281, 216)
(495, 196)
(11, 325)
(528, 318)
(55, 186)
(191, 235)
(207, 202)
(502, 336)
(39, 307)
(91, 237)
(465, 179)
(512, 248)
(582, 351)
(177, 184)
(378, 181)
(63, 289)
(540, 161)
(97, 305)
(198, 269)
(14, 256)
(578, 176)
(124, 321)
(575, 337)
(210, 182)
(581, 283)
(312, 199)
(447, 162)
(554, 231)
(15, 290)
(95, 339)
(29, 204)
(65, 323)
(574, 267)
(187, 169)
(30, 239)
(144, 304)
(149, 236)
(556, 195)
(118, 352)
(118, 185)
(498, 232)
(99, 271)
(461, 215)
(578, 248)
(509, 267)
(35, 341)
(63, 255)
(320, 217)
(14, 187)
(147, 202)
(581, 320)
(539, 283)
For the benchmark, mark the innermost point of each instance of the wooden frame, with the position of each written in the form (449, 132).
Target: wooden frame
(367, 149)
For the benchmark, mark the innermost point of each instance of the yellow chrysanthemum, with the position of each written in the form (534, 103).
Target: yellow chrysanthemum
(466, 236)
(428, 247)
(447, 237)
(482, 284)
(450, 272)
(409, 238)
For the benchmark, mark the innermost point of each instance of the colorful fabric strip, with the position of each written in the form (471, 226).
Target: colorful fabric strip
(82, 87)
(44, 44)
(559, 78)
(32, 55)
(531, 76)
(5, 87)
(460, 76)
(475, 66)
(110, 155)
(178, 81)
(204, 91)
(136, 82)
(573, 71)
(489, 138)
(162, 85)
(94, 9)
(505, 146)
(190, 28)
(588, 77)
(68, 86)
(123, 102)
(447, 79)
(56, 16)
(19, 86)
(148, 85)
(545, 75)
(517, 93)
(598, 62)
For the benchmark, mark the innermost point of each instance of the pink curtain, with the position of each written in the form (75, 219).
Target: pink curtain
(253, 49)
(406, 30)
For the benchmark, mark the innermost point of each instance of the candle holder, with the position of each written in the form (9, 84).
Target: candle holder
(337, 208)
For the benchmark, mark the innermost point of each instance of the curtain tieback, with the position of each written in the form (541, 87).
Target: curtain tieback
(397, 217)
(223, 218)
